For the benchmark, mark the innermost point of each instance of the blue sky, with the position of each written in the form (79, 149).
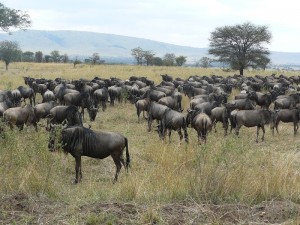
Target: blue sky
(181, 22)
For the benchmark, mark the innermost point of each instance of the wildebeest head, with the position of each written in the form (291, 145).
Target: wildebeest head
(92, 113)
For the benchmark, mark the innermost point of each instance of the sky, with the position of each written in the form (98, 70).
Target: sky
(180, 22)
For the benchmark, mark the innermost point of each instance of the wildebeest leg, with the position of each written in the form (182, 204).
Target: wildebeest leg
(138, 112)
(257, 133)
(225, 126)
(103, 106)
(170, 135)
(117, 160)
(295, 127)
(199, 134)
(180, 134)
(276, 125)
(186, 137)
(78, 169)
(215, 125)
(263, 136)
(149, 123)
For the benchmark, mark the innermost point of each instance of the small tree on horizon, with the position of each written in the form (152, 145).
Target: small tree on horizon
(9, 51)
(241, 46)
(180, 60)
(38, 56)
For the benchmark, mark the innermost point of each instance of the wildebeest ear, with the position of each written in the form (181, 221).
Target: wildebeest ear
(188, 110)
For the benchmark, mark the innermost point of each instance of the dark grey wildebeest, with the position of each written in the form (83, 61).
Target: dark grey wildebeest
(80, 141)
(42, 110)
(287, 116)
(60, 114)
(173, 120)
(142, 106)
(155, 112)
(19, 116)
(254, 118)
(220, 114)
(201, 123)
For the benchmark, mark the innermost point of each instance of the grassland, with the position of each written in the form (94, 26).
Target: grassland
(229, 180)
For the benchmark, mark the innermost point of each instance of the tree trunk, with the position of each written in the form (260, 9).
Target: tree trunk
(6, 66)
(242, 71)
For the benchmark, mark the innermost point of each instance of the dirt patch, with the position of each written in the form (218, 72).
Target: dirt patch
(21, 209)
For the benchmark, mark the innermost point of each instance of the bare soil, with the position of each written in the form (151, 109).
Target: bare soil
(22, 209)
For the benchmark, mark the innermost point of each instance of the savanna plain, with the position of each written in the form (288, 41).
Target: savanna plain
(230, 180)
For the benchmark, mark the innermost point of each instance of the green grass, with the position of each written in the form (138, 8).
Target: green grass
(226, 170)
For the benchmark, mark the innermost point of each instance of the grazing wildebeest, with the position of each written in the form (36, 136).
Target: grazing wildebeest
(82, 100)
(287, 116)
(173, 120)
(60, 114)
(142, 106)
(80, 141)
(19, 116)
(201, 123)
(254, 118)
(155, 112)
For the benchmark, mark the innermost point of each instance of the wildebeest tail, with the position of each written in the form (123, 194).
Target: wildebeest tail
(127, 154)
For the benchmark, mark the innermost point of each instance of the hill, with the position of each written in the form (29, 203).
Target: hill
(113, 48)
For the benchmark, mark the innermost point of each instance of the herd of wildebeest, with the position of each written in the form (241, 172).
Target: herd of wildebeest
(261, 100)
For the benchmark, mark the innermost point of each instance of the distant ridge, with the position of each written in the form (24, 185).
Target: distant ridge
(113, 47)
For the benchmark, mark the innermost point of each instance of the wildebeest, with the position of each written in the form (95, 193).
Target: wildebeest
(173, 120)
(82, 100)
(287, 116)
(141, 105)
(201, 123)
(254, 118)
(286, 102)
(19, 116)
(60, 114)
(155, 112)
(48, 96)
(220, 114)
(101, 96)
(42, 110)
(27, 92)
(173, 101)
(80, 141)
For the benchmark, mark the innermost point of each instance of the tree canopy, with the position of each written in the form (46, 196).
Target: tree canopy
(241, 46)
(9, 51)
(13, 18)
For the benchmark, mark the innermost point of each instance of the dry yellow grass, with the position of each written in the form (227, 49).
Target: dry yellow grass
(226, 170)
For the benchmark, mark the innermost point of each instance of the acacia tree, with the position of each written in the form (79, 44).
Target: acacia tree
(38, 56)
(180, 60)
(138, 54)
(13, 18)
(55, 55)
(169, 59)
(9, 51)
(149, 57)
(241, 46)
